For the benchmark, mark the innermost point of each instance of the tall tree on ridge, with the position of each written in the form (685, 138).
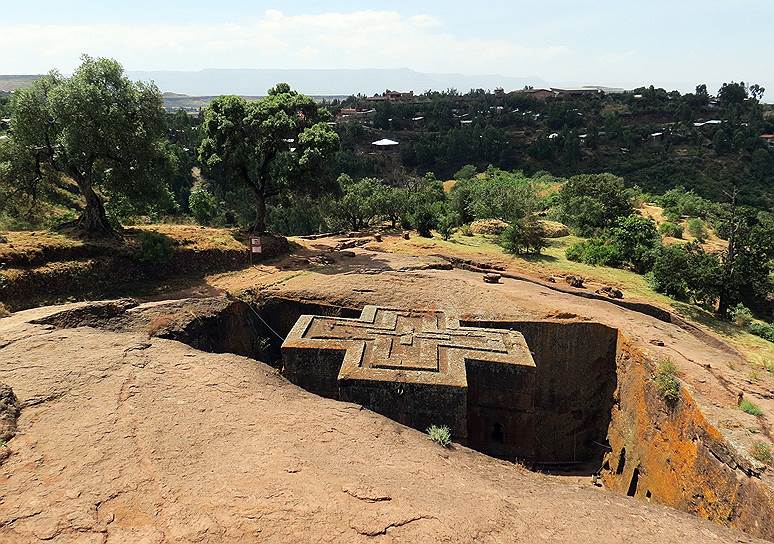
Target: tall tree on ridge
(98, 128)
(278, 144)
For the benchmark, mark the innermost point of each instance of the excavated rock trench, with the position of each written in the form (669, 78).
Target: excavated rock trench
(598, 410)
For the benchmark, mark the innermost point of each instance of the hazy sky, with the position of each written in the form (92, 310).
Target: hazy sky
(674, 44)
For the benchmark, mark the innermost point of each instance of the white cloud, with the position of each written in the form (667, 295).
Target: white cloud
(358, 39)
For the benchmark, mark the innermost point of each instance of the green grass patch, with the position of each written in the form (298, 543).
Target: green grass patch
(761, 451)
(667, 383)
(750, 408)
(553, 261)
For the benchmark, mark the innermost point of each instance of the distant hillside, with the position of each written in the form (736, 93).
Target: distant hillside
(322, 82)
(177, 101)
(13, 82)
(194, 89)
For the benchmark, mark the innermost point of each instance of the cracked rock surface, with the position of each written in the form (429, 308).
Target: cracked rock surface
(124, 439)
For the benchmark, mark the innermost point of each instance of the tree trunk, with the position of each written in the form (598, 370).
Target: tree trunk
(728, 266)
(723, 300)
(260, 212)
(93, 219)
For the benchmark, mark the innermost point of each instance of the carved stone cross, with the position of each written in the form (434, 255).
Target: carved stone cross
(414, 366)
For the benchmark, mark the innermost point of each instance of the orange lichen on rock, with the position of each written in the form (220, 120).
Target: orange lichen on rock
(671, 454)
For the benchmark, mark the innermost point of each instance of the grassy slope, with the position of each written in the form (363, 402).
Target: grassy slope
(42, 267)
(27, 244)
(553, 261)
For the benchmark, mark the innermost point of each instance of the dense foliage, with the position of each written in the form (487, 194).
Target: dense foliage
(99, 129)
(588, 203)
(95, 149)
(653, 138)
(270, 146)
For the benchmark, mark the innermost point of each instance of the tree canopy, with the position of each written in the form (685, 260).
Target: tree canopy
(278, 144)
(593, 201)
(98, 128)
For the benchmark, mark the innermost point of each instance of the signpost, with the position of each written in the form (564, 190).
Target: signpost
(255, 247)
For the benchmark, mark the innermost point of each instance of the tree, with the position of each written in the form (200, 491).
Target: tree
(525, 235)
(392, 203)
(359, 202)
(423, 219)
(747, 260)
(721, 142)
(447, 223)
(592, 201)
(687, 272)
(466, 172)
(278, 144)
(637, 241)
(203, 204)
(5, 106)
(757, 92)
(100, 129)
(499, 195)
(732, 94)
(702, 94)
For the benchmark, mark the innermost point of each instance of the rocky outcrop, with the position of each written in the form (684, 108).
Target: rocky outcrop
(611, 292)
(134, 439)
(9, 413)
(672, 455)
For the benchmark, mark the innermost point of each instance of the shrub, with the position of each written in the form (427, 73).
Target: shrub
(750, 408)
(741, 316)
(155, 250)
(678, 202)
(670, 229)
(632, 242)
(203, 205)
(440, 434)
(764, 330)
(524, 236)
(696, 229)
(465, 230)
(424, 221)
(4, 312)
(761, 451)
(667, 384)
(671, 215)
(447, 223)
(466, 172)
(594, 251)
(58, 219)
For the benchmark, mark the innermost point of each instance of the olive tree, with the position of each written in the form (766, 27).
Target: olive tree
(279, 144)
(98, 128)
